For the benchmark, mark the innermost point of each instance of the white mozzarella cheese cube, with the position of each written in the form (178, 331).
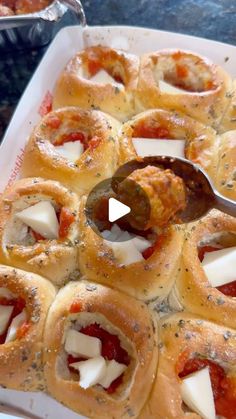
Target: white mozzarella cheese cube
(141, 243)
(102, 77)
(16, 323)
(113, 370)
(79, 344)
(159, 147)
(71, 150)
(126, 253)
(220, 266)
(197, 394)
(42, 218)
(5, 315)
(169, 88)
(91, 371)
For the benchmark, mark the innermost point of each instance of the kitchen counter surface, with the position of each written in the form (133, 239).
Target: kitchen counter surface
(213, 19)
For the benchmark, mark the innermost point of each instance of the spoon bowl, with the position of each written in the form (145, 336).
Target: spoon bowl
(201, 193)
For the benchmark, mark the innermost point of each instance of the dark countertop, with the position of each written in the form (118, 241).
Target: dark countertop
(213, 19)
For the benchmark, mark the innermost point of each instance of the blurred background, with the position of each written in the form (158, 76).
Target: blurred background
(213, 19)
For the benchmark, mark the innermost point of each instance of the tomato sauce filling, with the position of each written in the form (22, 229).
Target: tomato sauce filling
(88, 142)
(65, 218)
(226, 289)
(151, 131)
(111, 349)
(223, 387)
(19, 305)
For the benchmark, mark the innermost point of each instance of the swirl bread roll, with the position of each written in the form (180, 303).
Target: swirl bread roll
(196, 376)
(99, 78)
(225, 180)
(228, 122)
(91, 328)
(180, 136)
(206, 284)
(24, 302)
(141, 267)
(185, 82)
(39, 228)
(76, 147)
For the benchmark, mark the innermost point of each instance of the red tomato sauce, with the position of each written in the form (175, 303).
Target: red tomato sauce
(149, 131)
(19, 305)
(227, 289)
(86, 141)
(156, 246)
(111, 349)
(66, 218)
(224, 388)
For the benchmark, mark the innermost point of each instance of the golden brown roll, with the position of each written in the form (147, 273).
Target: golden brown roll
(145, 270)
(116, 329)
(184, 81)
(195, 289)
(229, 120)
(200, 141)
(225, 180)
(191, 345)
(76, 147)
(24, 302)
(99, 78)
(39, 228)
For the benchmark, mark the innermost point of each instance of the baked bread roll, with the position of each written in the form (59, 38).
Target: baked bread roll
(175, 134)
(76, 147)
(184, 81)
(117, 331)
(144, 267)
(99, 78)
(191, 345)
(206, 283)
(39, 228)
(225, 180)
(24, 302)
(228, 122)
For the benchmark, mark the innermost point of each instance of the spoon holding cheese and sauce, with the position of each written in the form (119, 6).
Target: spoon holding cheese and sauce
(201, 195)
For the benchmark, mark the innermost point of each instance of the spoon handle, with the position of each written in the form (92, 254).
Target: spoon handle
(224, 204)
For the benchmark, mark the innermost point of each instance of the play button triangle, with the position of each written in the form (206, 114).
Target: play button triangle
(117, 209)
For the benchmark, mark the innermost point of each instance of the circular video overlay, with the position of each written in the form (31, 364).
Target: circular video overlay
(115, 206)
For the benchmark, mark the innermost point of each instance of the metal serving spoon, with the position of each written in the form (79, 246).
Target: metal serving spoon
(201, 194)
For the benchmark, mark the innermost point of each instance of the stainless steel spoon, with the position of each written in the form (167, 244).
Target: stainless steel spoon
(202, 196)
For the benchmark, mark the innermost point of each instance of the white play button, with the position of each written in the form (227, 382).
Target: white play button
(116, 209)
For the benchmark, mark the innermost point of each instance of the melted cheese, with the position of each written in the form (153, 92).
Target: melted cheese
(197, 394)
(159, 147)
(102, 77)
(219, 266)
(41, 218)
(71, 150)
